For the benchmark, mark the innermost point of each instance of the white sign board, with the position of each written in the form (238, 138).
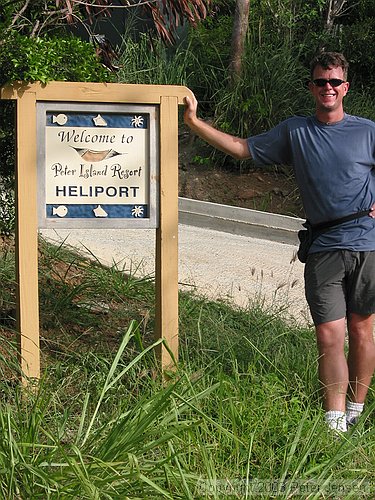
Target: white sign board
(97, 165)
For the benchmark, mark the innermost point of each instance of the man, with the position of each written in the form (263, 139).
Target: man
(333, 155)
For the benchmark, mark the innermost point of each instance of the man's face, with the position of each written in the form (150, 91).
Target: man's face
(329, 98)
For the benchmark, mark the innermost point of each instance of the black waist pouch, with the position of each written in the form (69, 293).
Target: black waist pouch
(307, 236)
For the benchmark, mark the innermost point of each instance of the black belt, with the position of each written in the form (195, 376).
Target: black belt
(322, 226)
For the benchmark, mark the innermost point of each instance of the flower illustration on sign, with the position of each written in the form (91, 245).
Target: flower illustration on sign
(137, 211)
(137, 121)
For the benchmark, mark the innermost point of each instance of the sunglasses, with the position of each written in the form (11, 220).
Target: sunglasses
(322, 82)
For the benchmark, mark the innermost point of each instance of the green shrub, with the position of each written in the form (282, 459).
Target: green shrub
(7, 208)
(37, 59)
(7, 152)
(49, 58)
(359, 38)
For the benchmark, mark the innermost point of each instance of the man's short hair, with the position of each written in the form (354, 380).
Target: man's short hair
(330, 60)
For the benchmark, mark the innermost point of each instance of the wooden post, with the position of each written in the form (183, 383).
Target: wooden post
(27, 238)
(167, 234)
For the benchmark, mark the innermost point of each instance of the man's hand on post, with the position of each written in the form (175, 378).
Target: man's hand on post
(190, 113)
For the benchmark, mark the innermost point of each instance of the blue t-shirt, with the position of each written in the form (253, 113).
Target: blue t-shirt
(335, 171)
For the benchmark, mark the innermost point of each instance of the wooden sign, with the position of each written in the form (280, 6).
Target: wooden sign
(95, 153)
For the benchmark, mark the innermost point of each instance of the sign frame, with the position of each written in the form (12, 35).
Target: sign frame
(167, 98)
(151, 180)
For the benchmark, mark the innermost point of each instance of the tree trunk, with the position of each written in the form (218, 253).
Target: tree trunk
(335, 9)
(240, 25)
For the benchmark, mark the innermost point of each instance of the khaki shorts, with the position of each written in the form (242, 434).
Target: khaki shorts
(338, 283)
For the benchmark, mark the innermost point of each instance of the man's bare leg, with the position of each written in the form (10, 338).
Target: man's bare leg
(361, 359)
(333, 367)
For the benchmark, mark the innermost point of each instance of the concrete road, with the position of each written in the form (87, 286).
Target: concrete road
(214, 264)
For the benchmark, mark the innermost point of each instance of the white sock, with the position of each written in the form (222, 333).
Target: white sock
(336, 420)
(353, 411)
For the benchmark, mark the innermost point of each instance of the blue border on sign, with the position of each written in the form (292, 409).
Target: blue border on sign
(96, 211)
(106, 120)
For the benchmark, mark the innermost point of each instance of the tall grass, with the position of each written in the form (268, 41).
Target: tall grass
(361, 103)
(143, 62)
(241, 415)
(271, 88)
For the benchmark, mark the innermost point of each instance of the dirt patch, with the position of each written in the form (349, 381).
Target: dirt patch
(206, 178)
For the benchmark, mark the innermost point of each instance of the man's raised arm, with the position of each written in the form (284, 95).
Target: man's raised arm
(227, 143)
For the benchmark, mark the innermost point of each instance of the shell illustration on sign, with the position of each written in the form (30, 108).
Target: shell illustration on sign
(60, 211)
(137, 211)
(90, 155)
(60, 119)
(100, 212)
(99, 121)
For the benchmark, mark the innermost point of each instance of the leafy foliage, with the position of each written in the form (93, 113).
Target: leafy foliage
(42, 16)
(7, 142)
(165, 16)
(49, 58)
(359, 37)
(7, 208)
(37, 59)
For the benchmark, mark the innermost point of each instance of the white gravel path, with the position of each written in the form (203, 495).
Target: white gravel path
(215, 264)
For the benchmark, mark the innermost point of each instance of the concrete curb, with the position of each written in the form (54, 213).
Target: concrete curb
(241, 221)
